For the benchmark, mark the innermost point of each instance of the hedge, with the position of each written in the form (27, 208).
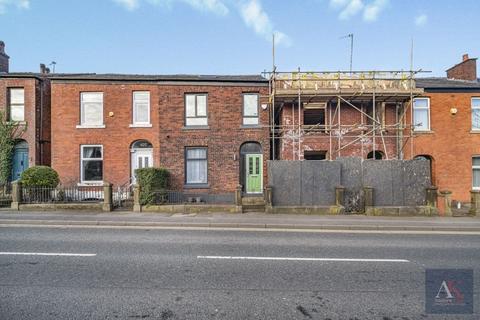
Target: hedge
(151, 180)
(39, 176)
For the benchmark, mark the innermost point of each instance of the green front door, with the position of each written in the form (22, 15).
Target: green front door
(254, 172)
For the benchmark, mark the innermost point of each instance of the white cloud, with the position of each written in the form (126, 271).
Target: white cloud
(256, 18)
(128, 4)
(373, 9)
(421, 20)
(214, 6)
(251, 11)
(352, 8)
(21, 4)
(349, 8)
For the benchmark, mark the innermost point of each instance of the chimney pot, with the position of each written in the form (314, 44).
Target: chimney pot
(4, 58)
(465, 57)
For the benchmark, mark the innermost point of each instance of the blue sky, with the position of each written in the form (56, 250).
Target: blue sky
(234, 36)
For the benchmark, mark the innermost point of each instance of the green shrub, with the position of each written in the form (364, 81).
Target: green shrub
(39, 176)
(151, 180)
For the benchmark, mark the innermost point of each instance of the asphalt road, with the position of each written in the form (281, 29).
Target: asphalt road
(186, 274)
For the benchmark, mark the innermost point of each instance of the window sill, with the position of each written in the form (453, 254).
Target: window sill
(197, 186)
(423, 131)
(250, 126)
(196, 128)
(85, 126)
(146, 125)
(90, 184)
(477, 131)
(17, 122)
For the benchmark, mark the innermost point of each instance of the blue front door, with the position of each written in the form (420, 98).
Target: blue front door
(20, 162)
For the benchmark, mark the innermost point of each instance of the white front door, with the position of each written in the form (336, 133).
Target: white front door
(141, 159)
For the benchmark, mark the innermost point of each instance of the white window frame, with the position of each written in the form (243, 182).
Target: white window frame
(90, 182)
(421, 108)
(473, 169)
(82, 112)
(474, 108)
(202, 184)
(11, 103)
(196, 116)
(136, 123)
(245, 116)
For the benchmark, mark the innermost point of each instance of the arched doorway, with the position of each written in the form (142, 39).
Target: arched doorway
(377, 155)
(19, 159)
(142, 156)
(251, 167)
(428, 158)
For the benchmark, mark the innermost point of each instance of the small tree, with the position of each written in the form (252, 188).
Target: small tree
(9, 132)
(40, 176)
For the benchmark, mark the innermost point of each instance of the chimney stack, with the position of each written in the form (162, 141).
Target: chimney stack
(44, 69)
(465, 70)
(3, 58)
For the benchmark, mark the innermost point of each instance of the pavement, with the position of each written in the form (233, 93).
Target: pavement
(247, 220)
(88, 273)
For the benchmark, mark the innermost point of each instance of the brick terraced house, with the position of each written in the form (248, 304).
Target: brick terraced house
(25, 98)
(214, 133)
(210, 132)
(384, 115)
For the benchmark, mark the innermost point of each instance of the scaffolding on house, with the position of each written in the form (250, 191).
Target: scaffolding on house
(357, 90)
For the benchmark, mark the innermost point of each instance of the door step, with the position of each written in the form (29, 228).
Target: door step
(253, 204)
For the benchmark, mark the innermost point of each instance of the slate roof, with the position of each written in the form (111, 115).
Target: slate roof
(444, 83)
(139, 77)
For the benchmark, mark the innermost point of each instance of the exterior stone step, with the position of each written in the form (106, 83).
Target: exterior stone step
(253, 201)
(253, 208)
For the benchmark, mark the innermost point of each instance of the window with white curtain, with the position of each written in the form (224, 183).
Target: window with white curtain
(91, 163)
(250, 109)
(421, 114)
(196, 166)
(91, 108)
(16, 110)
(141, 107)
(196, 110)
(476, 172)
(475, 113)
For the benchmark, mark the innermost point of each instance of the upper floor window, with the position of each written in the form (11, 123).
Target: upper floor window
(91, 109)
(314, 114)
(16, 105)
(91, 165)
(250, 109)
(196, 110)
(475, 113)
(421, 114)
(141, 108)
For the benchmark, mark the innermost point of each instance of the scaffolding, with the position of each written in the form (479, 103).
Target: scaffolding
(366, 92)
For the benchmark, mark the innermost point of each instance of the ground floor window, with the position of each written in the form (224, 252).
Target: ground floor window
(196, 166)
(91, 163)
(315, 155)
(476, 172)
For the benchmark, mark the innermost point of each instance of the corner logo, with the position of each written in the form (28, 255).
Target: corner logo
(449, 291)
(449, 294)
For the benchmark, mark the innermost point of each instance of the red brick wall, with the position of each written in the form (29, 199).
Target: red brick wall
(466, 70)
(450, 142)
(167, 134)
(317, 141)
(32, 103)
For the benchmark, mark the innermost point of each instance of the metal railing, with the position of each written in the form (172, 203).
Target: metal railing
(62, 194)
(5, 195)
(169, 197)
